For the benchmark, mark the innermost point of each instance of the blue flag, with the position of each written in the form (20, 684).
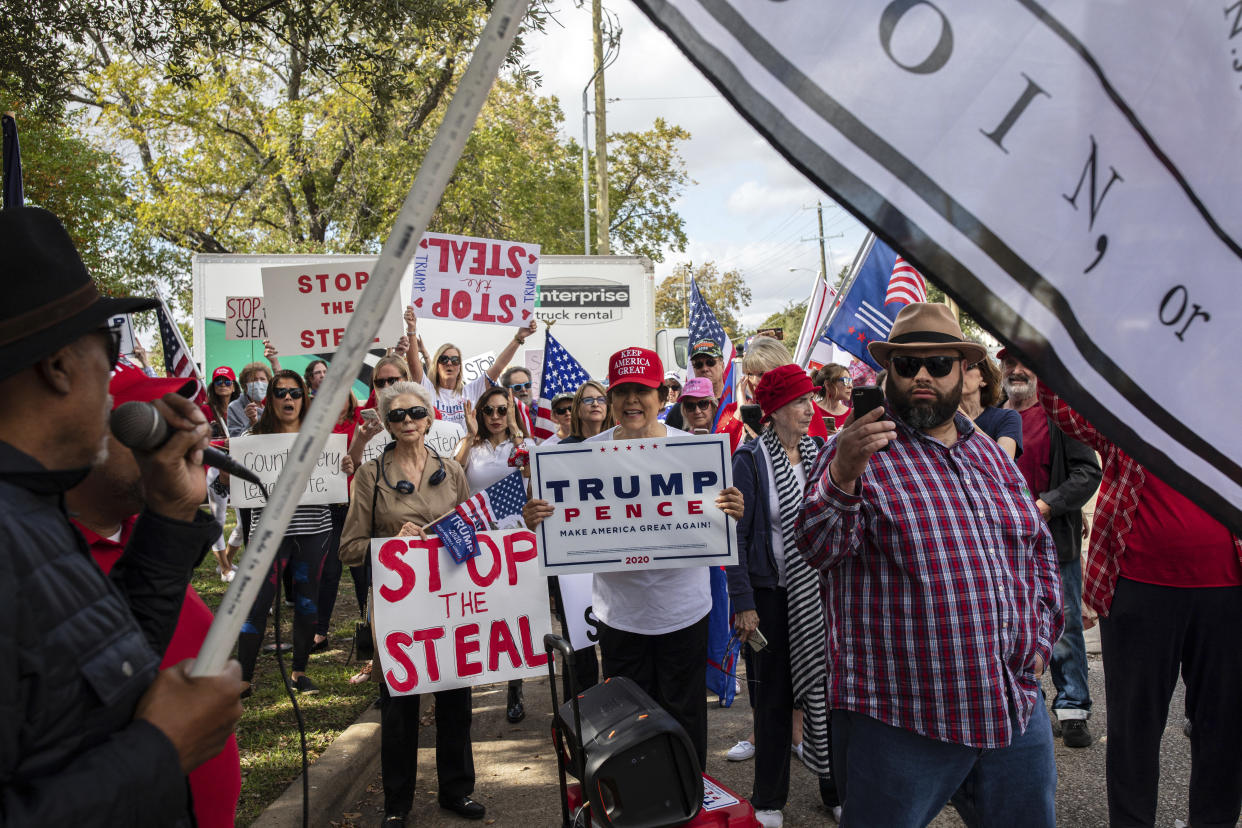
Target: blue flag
(871, 302)
(458, 537)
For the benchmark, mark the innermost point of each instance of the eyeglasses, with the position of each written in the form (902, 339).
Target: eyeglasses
(445, 359)
(844, 380)
(292, 393)
(397, 415)
(561, 412)
(519, 386)
(595, 401)
(114, 344)
(697, 405)
(495, 410)
(221, 381)
(384, 382)
(703, 362)
(909, 366)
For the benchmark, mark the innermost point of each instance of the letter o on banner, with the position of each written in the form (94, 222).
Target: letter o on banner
(939, 55)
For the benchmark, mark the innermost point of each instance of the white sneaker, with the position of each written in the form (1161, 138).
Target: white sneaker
(797, 751)
(770, 819)
(740, 752)
(836, 814)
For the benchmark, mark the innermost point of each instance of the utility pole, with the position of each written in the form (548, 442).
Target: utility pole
(602, 217)
(823, 258)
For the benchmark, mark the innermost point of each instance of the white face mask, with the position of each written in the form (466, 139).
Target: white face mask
(257, 391)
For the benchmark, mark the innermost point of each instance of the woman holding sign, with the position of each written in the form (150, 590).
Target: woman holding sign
(653, 626)
(397, 495)
(451, 390)
(302, 550)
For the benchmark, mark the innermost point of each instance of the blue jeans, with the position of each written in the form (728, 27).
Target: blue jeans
(893, 778)
(1069, 656)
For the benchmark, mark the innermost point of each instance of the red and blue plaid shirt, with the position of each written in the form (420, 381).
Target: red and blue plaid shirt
(941, 587)
(1120, 487)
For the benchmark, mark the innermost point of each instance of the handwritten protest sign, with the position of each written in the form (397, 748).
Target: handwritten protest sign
(266, 455)
(440, 625)
(244, 318)
(475, 280)
(476, 366)
(309, 306)
(443, 436)
(634, 504)
(123, 323)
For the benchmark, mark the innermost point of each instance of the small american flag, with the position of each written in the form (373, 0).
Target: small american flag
(177, 360)
(906, 285)
(704, 325)
(495, 503)
(562, 374)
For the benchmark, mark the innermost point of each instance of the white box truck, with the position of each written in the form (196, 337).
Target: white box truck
(599, 305)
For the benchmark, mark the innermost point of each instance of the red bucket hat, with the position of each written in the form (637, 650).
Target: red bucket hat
(640, 365)
(781, 386)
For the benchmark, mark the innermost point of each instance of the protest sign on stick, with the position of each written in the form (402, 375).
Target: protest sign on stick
(465, 279)
(267, 454)
(125, 325)
(440, 625)
(244, 318)
(309, 306)
(634, 504)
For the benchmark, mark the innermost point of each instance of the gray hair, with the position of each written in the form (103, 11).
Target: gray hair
(386, 397)
(763, 354)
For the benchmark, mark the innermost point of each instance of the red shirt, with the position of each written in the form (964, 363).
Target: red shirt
(1035, 461)
(1175, 543)
(838, 419)
(216, 783)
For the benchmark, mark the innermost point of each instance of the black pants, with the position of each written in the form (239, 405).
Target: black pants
(303, 555)
(330, 580)
(399, 747)
(1150, 635)
(671, 668)
(773, 697)
(586, 663)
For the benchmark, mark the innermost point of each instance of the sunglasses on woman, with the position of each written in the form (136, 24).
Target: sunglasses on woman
(909, 366)
(222, 381)
(449, 360)
(495, 410)
(384, 382)
(697, 405)
(398, 415)
(561, 412)
(292, 393)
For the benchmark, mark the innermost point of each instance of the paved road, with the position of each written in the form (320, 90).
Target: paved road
(517, 774)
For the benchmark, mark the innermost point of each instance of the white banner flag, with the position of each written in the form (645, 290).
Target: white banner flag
(1068, 171)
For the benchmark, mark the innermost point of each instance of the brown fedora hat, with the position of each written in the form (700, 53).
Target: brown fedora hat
(924, 325)
(51, 299)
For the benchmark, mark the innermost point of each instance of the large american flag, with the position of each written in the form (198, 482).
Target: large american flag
(905, 285)
(498, 501)
(177, 359)
(704, 325)
(562, 374)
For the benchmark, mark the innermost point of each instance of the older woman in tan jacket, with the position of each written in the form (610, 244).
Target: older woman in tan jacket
(398, 494)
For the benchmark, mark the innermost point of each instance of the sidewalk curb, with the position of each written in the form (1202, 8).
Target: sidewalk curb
(337, 779)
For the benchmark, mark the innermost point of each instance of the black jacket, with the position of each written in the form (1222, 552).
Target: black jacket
(77, 651)
(1074, 475)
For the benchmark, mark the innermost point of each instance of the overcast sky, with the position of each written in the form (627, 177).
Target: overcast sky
(748, 208)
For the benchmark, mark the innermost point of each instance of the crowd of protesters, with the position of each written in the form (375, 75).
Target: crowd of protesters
(907, 573)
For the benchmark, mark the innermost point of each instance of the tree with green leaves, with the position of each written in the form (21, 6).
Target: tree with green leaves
(726, 292)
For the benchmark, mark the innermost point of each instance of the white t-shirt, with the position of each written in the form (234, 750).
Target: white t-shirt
(487, 464)
(551, 441)
(450, 404)
(774, 510)
(656, 601)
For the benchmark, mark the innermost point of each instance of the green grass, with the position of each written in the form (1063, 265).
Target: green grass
(267, 735)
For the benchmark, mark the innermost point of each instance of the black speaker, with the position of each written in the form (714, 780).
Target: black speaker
(637, 766)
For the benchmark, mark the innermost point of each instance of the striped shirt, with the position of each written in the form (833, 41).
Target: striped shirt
(941, 587)
(306, 520)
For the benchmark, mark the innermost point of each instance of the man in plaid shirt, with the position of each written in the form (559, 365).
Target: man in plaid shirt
(943, 600)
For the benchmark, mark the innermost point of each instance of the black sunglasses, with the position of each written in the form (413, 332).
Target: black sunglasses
(397, 415)
(113, 336)
(293, 393)
(445, 359)
(519, 386)
(495, 410)
(561, 412)
(697, 405)
(909, 366)
(704, 362)
(384, 382)
(221, 381)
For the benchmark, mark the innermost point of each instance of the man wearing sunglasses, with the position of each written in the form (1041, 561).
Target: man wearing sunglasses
(517, 380)
(707, 361)
(94, 732)
(945, 599)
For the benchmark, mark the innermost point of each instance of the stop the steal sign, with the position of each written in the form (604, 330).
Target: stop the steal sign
(308, 307)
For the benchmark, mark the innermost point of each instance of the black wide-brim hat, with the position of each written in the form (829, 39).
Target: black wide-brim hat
(51, 298)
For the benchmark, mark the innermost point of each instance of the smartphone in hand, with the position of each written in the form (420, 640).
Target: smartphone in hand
(864, 398)
(371, 415)
(756, 641)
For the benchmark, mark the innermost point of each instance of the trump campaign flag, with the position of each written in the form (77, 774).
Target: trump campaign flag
(704, 325)
(562, 374)
(1050, 164)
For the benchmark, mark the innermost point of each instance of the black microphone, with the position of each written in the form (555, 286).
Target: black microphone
(139, 425)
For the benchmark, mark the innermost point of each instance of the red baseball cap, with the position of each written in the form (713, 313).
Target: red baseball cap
(224, 371)
(781, 386)
(640, 365)
(130, 384)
